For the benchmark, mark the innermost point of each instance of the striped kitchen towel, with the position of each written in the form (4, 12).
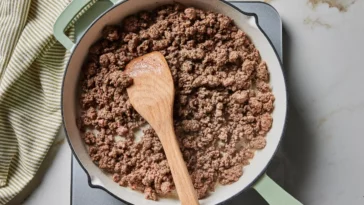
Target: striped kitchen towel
(32, 63)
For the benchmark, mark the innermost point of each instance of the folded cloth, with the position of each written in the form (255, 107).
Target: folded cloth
(32, 64)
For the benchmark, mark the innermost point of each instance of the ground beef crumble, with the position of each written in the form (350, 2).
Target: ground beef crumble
(223, 100)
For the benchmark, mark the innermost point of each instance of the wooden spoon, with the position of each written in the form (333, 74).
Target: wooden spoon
(152, 96)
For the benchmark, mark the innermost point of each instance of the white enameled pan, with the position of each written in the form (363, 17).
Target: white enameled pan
(254, 174)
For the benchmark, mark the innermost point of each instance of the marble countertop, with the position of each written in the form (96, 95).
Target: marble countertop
(323, 60)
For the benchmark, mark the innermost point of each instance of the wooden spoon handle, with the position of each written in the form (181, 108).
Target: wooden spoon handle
(182, 180)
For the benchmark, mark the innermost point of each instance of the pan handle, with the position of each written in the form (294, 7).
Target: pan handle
(273, 193)
(67, 17)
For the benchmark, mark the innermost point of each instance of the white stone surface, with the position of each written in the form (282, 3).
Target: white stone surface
(324, 53)
(55, 186)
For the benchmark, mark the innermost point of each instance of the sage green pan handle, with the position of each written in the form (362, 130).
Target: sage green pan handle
(66, 18)
(266, 187)
(273, 193)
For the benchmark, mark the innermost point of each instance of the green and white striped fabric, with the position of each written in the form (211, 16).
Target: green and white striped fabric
(32, 63)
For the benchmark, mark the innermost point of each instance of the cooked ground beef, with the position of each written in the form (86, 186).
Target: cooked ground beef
(222, 109)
